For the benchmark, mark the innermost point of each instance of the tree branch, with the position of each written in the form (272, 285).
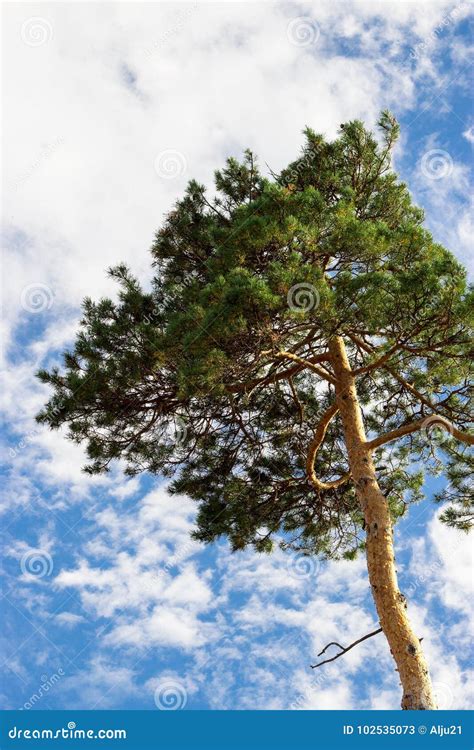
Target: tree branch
(313, 449)
(273, 378)
(307, 363)
(399, 378)
(296, 400)
(343, 650)
(377, 362)
(400, 345)
(419, 424)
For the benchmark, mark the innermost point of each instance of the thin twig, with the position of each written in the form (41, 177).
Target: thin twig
(333, 643)
(343, 650)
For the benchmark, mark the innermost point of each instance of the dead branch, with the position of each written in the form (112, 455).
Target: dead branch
(343, 650)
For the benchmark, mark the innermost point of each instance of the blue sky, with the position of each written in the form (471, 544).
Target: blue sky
(106, 602)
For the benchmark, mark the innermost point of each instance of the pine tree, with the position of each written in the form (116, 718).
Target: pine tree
(300, 361)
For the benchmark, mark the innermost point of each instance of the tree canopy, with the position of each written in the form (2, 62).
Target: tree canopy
(217, 374)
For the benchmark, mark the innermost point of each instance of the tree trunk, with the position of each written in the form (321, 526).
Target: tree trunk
(390, 603)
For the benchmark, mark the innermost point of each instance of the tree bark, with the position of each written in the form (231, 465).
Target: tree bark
(390, 603)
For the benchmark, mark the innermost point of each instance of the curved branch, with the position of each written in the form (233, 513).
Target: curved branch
(313, 449)
(420, 424)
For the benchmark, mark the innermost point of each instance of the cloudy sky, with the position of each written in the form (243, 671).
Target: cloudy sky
(109, 109)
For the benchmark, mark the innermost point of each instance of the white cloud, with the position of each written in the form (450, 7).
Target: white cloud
(101, 686)
(442, 567)
(86, 193)
(69, 619)
(130, 578)
(442, 186)
(469, 134)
